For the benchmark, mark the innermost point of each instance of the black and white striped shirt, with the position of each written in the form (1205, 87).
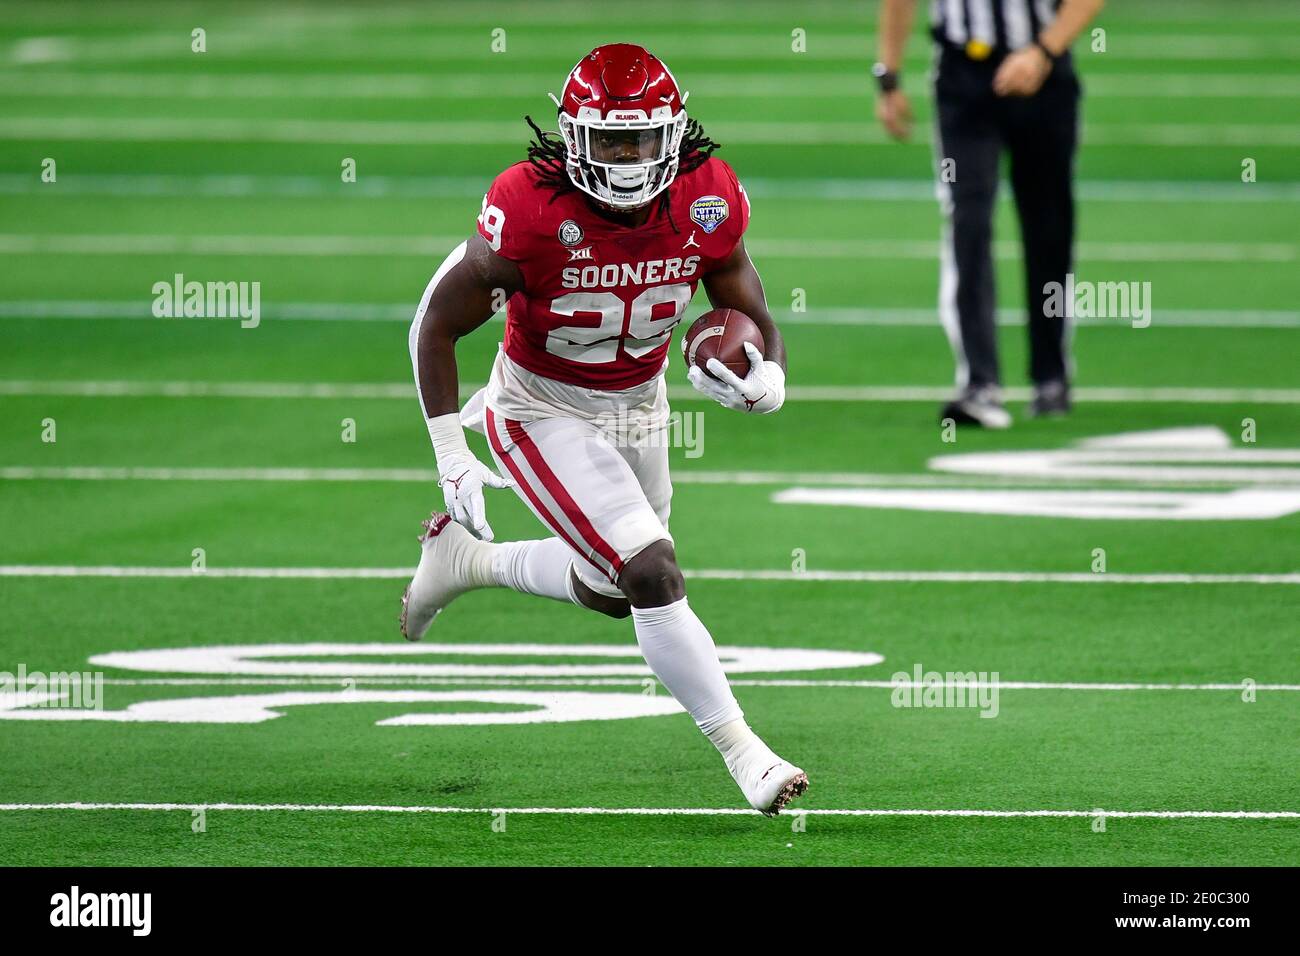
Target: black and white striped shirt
(996, 25)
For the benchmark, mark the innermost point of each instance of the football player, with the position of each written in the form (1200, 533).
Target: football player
(598, 240)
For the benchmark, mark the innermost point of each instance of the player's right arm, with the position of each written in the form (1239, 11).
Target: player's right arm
(470, 285)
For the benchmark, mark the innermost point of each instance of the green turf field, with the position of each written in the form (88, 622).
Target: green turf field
(1165, 684)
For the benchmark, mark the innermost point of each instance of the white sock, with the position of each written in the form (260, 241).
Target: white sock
(535, 567)
(737, 742)
(680, 651)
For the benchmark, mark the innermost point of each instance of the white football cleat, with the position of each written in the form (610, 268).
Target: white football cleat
(453, 562)
(980, 405)
(767, 781)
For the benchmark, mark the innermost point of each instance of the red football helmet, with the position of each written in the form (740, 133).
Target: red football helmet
(622, 117)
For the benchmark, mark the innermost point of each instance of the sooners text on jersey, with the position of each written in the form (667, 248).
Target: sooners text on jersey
(602, 299)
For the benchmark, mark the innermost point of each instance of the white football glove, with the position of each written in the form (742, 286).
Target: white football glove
(761, 391)
(462, 476)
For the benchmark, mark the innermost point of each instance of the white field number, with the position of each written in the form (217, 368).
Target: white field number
(295, 664)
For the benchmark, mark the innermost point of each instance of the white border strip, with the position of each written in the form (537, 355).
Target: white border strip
(656, 811)
(711, 574)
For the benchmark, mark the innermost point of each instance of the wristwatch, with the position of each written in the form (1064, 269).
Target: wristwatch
(886, 79)
(1051, 57)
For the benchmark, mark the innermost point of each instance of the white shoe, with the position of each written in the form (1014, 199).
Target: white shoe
(453, 562)
(981, 406)
(767, 781)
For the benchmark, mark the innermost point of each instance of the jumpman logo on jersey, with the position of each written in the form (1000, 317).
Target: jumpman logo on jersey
(691, 241)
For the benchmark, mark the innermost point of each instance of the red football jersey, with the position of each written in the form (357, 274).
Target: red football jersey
(602, 299)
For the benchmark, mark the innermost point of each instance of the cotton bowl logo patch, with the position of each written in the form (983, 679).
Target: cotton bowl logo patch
(570, 233)
(709, 212)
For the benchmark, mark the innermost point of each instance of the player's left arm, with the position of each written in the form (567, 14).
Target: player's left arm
(735, 285)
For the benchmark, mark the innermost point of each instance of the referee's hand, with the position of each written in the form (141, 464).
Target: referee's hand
(1022, 73)
(895, 113)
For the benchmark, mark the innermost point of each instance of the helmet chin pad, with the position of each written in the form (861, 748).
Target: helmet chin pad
(627, 177)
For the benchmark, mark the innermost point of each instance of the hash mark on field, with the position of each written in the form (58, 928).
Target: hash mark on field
(708, 574)
(659, 811)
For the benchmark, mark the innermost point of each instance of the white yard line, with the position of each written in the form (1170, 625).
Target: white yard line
(120, 571)
(1121, 394)
(991, 577)
(287, 43)
(219, 185)
(297, 87)
(709, 574)
(315, 33)
(1015, 317)
(480, 132)
(191, 389)
(1008, 249)
(830, 316)
(640, 683)
(654, 811)
(96, 473)
(389, 246)
(807, 393)
(681, 477)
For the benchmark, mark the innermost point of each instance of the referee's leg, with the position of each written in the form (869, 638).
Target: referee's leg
(1042, 134)
(967, 147)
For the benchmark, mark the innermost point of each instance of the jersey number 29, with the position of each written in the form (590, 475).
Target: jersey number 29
(614, 323)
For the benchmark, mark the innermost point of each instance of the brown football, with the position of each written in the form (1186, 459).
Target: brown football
(721, 334)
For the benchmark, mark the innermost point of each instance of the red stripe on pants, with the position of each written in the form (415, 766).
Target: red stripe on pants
(522, 481)
(562, 497)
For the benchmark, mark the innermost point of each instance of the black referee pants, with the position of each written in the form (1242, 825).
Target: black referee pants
(1040, 133)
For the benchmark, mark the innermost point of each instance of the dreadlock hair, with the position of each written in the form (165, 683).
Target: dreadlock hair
(547, 154)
